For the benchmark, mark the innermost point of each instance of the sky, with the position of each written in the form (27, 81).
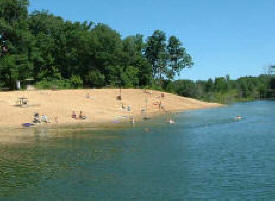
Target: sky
(235, 37)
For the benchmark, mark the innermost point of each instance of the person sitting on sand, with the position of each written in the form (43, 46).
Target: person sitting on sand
(45, 119)
(73, 115)
(88, 95)
(81, 115)
(36, 118)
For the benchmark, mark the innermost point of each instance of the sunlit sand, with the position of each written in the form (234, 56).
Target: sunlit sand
(98, 105)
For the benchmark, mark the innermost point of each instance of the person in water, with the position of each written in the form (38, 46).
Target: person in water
(132, 120)
(171, 121)
(238, 117)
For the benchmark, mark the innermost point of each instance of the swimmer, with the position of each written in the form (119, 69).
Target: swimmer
(132, 120)
(238, 117)
(171, 121)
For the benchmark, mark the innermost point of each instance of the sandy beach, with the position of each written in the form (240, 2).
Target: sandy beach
(99, 105)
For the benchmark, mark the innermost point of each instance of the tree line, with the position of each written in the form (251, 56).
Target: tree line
(226, 90)
(51, 50)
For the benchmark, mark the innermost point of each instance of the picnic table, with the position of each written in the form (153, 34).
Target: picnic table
(22, 101)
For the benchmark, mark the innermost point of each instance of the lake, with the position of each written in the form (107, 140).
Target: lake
(206, 154)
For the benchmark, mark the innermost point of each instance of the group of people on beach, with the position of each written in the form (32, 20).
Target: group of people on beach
(39, 119)
(43, 118)
(81, 115)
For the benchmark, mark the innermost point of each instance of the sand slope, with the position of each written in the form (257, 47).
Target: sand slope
(101, 106)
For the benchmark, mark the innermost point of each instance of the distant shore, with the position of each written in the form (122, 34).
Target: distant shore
(98, 105)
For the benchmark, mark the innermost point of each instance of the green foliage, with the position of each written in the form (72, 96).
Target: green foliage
(49, 49)
(49, 73)
(76, 82)
(15, 63)
(129, 77)
(54, 84)
(156, 54)
(223, 90)
(185, 88)
(155, 86)
(177, 58)
(95, 79)
(166, 58)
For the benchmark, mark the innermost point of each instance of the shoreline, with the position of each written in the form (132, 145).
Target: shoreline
(19, 135)
(79, 124)
(100, 106)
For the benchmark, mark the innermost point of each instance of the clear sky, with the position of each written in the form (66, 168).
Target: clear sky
(235, 37)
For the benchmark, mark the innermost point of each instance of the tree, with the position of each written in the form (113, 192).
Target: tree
(155, 53)
(95, 79)
(209, 85)
(166, 60)
(13, 24)
(133, 47)
(177, 57)
(107, 57)
(220, 84)
(49, 49)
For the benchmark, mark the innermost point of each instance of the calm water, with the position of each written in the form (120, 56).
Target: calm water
(205, 155)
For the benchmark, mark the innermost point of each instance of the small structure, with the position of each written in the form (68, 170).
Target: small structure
(21, 101)
(18, 85)
(29, 84)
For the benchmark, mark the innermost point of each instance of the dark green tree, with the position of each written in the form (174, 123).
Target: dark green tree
(155, 53)
(16, 63)
(177, 58)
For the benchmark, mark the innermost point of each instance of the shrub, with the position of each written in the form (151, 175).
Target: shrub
(54, 84)
(76, 82)
(95, 78)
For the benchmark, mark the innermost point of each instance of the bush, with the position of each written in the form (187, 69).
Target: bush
(76, 82)
(129, 77)
(54, 84)
(95, 79)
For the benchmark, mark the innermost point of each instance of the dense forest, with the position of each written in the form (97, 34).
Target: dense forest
(53, 52)
(49, 50)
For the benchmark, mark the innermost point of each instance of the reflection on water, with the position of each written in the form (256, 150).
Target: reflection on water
(207, 154)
